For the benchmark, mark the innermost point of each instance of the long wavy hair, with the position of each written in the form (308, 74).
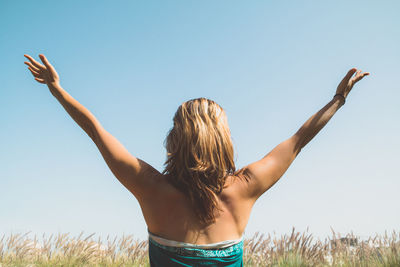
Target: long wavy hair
(200, 154)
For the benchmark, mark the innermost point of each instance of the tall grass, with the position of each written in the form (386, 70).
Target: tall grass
(299, 249)
(294, 249)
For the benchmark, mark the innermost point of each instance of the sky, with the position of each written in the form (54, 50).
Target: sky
(270, 64)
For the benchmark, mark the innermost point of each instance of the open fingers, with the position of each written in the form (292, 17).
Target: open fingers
(40, 80)
(45, 61)
(360, 75)
(34, 73)
(350, 73)
(34, 62)
(347, 78)
(32, 66)
(353, 79)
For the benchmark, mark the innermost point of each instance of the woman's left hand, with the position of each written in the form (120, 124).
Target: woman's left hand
(45, 74)
(348, 82)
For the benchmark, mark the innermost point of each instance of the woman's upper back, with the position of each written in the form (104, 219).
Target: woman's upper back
(169, 214)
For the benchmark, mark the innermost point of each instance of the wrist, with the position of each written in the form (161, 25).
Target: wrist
(55, 88)
(54, 85)
(340, 98)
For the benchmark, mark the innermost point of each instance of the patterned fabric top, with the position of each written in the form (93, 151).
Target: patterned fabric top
(225, 253)
(185, 251)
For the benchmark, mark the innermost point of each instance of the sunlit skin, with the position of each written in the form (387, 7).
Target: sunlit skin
(167, 211)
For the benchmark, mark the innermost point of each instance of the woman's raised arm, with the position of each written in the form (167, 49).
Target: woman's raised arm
(266, 172)
(136, 175)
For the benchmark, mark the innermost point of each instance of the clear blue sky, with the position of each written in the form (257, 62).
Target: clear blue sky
(270, 64)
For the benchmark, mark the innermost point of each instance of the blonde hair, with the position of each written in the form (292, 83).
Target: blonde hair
(200, 154)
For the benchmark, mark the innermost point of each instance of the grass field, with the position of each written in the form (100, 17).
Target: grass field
(294, 249)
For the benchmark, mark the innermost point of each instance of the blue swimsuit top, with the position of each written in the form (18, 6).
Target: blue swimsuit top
(164, 252)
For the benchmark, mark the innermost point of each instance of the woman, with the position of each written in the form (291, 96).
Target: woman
(196, 211)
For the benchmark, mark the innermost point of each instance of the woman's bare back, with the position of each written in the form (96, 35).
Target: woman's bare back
(170, 215)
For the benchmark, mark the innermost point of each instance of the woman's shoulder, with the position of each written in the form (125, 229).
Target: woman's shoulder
(163, 187)
(236, 186)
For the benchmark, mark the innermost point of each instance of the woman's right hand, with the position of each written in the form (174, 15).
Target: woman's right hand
(45, 74)
(348, 82)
